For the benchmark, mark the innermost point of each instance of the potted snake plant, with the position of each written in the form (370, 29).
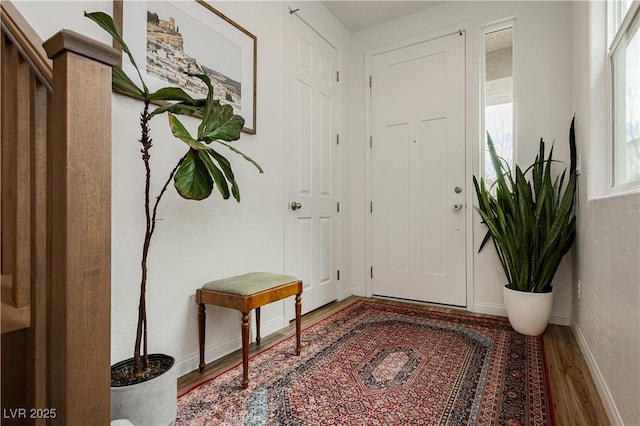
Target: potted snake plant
(531, 222)
(144, 388)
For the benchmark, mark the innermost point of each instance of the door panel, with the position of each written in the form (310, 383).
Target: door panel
(311, 160)
(398, 232)
(302, 138)
(418, 158)
(434, 236)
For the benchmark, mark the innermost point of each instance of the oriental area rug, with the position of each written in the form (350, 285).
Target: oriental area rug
(386, 364)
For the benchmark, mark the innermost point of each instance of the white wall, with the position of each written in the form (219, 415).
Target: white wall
(606, 318)
(543, 109)
(195, 241)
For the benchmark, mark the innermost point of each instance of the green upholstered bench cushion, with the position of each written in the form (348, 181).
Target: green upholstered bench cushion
(251, 283)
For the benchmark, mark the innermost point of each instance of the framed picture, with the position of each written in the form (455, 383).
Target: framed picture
(169, 38)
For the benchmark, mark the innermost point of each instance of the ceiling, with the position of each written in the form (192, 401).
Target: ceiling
(357, 15)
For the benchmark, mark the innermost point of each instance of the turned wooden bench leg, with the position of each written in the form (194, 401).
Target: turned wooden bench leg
(258, 325)
(202, 316)
(298, 321)
(245, 350)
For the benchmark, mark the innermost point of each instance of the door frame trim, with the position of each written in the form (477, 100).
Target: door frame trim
(470, 149)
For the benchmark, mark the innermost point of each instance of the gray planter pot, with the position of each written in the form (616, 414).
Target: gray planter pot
(153, 402)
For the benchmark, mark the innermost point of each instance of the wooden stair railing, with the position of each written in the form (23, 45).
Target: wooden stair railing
(27, 76)
(55, 225)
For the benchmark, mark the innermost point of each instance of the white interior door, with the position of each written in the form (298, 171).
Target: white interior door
(418, 172)
(311, 166)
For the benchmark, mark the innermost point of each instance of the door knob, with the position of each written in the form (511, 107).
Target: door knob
(295, 205)
(457, 206)
(457, 190)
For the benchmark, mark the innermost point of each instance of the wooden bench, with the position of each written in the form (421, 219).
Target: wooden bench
(244, 293)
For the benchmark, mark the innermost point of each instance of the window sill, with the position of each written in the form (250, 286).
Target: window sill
(621, 192)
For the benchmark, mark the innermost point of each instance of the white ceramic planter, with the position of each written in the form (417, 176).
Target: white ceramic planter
(528, 313)
(153, 402)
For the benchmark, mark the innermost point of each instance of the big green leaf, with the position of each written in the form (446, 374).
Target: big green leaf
(227, 131)
(106, 22)
(249, 159)
(225, 165)
(219, 123)
(572, 147)
(192, 179)
(216, 174)
(180, 132)
(170, 94)
(181, 108)
(120, 82)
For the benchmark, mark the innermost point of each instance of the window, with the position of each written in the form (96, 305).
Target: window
(624, 58)
(498, 95)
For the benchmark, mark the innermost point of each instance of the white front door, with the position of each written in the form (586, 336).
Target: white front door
(418, 172)
(311, 166)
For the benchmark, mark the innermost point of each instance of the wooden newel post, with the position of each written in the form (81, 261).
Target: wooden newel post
(79, 208)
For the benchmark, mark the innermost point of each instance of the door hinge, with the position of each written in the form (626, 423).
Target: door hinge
(370, 81)
(338, 139)
(371, 272)
(370, 206)
(338, 207)
(370, 142)
(338, 274)
(337, 75)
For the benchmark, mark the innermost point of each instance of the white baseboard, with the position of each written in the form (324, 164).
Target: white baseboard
(489, 309)
(361, 292)
(558, 318)
(598, 380)
(219, 349)
(211, 352)
(346, 292)
(268, 327)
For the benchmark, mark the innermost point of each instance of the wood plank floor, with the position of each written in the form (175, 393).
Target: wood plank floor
(575, 400)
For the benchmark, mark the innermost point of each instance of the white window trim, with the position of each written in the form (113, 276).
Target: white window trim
(614, 36)
(614, 15)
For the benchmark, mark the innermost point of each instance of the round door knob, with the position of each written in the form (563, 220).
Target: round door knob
(295, 205)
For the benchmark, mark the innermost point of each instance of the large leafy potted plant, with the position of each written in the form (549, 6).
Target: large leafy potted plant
(144, 386)
(532, 226)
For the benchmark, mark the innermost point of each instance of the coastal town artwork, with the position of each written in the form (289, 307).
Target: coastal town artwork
(168, 60)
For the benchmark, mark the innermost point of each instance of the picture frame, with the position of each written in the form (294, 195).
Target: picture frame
(173, 32)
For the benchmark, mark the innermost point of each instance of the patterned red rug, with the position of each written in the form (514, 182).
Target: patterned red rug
(379, 363)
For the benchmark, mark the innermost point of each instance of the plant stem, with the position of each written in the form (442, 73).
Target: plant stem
(164, 188)
(141, 332)
(142, 364)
